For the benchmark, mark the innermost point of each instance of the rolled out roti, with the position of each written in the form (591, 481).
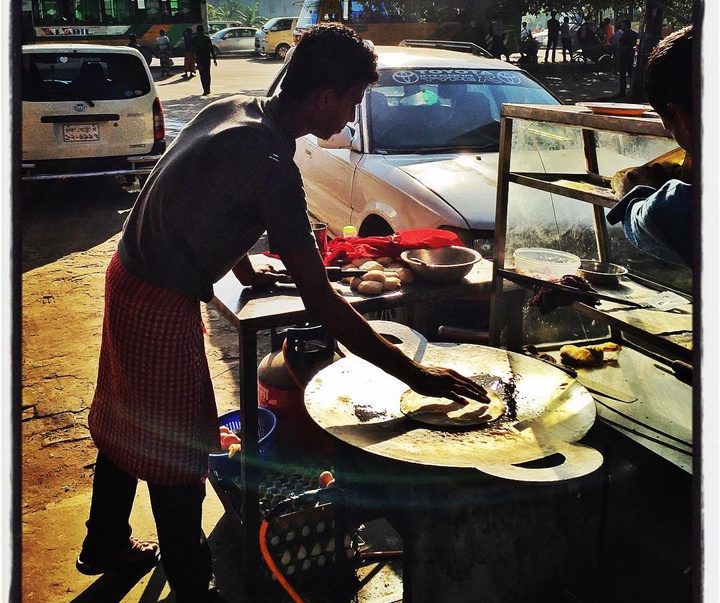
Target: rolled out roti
(443, 412)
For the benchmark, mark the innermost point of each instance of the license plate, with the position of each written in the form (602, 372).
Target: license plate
(81, 132)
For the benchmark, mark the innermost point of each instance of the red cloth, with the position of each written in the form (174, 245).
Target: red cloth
(154, 412)
(342, 250)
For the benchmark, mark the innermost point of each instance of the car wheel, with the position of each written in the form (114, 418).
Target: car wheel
(375, 226)
(281, 51)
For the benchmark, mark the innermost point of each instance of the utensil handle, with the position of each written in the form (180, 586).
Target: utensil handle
(578, 460)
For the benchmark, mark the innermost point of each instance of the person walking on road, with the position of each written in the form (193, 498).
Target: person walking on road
(204, 51)
(153, 416)
(497, 47)
(565, 39)
(163, 48)
(553, 27)
(626, 55)
(189, 64)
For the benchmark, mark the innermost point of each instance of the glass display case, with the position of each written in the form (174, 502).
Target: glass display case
(554, 191)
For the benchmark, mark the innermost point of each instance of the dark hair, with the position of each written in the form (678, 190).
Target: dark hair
(132, 37)
(668, 73)
(627, 22)
(329, 55)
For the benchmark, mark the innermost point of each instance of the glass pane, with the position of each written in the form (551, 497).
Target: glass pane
(62, 77)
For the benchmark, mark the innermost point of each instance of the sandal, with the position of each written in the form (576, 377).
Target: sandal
(138, 553)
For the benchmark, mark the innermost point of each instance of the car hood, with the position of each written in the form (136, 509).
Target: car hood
(465, 181)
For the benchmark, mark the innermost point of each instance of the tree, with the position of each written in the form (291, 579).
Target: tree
(236, 12)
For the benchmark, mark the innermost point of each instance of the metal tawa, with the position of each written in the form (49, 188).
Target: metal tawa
(360, 404)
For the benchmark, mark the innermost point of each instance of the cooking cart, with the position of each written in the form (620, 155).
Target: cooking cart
(250, 312)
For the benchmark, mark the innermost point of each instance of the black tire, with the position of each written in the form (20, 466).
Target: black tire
(578, 66)
(605, 67)
(281, 51)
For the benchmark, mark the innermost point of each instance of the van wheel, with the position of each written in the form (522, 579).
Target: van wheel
(281, 51)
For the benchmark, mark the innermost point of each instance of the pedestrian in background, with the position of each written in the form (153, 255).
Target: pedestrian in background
(163, 48)
(189, 64)
(497, 47)
(133, 43)
(553, 27)
(565, 39)
(626, 55)
(204, 51)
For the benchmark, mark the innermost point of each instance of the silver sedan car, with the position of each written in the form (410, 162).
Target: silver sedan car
(233, 40)
(422, 151)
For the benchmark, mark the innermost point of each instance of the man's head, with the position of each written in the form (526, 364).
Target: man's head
(668, 84)
(132, 38)
(566, 20)
(553, 13)
(199, 29)
(524, 24)
(329, 55)
(162, 32)
(328, 73)
(626, 24)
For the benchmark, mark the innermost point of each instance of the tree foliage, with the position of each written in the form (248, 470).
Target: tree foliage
(236, 12)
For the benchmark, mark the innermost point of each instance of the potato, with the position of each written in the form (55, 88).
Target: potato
(370, 287)
(371, 265)
(374, 275)
(391, 284)
(390, 274)
(357, 262)
(385, 261)
(355, 282)
(405, 275)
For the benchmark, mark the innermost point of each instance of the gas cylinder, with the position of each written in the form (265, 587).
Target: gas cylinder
(281, 389)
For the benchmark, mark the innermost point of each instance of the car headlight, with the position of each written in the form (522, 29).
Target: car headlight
(479, 240)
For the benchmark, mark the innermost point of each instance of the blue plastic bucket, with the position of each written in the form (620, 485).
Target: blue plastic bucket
(225, 467)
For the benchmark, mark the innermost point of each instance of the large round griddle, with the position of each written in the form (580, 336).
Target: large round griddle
(360, 404)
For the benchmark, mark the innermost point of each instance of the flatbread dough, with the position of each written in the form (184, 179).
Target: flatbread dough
(443, 412)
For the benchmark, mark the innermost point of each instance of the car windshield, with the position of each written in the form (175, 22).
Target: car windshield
(59, 76)
(433, 110)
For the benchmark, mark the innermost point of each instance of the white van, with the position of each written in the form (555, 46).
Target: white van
(276, 37)
(88, 110)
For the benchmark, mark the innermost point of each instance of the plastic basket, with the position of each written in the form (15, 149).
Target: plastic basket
(225, 467)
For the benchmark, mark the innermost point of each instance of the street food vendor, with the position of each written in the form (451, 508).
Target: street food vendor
(227, 178)
(657, 210)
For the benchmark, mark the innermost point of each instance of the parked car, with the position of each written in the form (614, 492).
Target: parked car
(233, 40)
(88, 110)
(276, 37)
(422, 151)
(216, 26)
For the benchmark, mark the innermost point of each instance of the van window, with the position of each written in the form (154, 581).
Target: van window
(57, 76)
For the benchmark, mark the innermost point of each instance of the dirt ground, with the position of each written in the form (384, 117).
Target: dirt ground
(66, 237)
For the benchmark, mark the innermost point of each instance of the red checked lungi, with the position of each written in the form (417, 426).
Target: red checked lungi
(154, 412)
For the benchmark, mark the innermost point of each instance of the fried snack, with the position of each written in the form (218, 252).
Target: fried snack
(581, 356)
(589, 355)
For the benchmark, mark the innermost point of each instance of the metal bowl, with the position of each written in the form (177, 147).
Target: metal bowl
(601, 273)
(442, 263)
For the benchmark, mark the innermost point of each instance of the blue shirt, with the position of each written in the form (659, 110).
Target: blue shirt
(658, 221)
